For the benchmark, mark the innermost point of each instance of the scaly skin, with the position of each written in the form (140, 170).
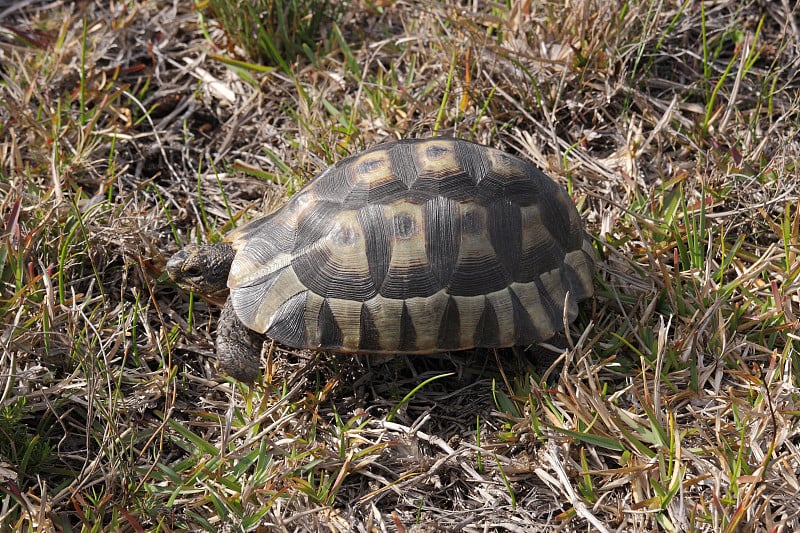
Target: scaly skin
(238, 347)
(204, 269)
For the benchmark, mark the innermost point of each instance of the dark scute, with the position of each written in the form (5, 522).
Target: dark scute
(449, 337)
(334, 184)
(442, 237)
(555, 205)
(453, 184)
(330, 335)
(403, 282)
(556, 214)
(574, 286)
(524, 188)
(368, 335)
(487, 331)
(395, 190)
(472, 160)
(408, 335)
(505, 232)
(520, 181)
(267, 237)
(247, 298)
(590, 259)
(386, 192)
(318, 270)
(358, 196)
(525, 331)
(555, 310)
(404, 163)
(524, 192)
(260, 225)
(289, 326)
(480, 275)
(493, 187)
(547, 256)
(377, 236)
(314, 225)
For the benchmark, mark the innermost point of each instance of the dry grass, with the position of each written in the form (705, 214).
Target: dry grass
(129, 129)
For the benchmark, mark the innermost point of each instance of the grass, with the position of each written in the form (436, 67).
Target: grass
(275, 32)
(129, 130)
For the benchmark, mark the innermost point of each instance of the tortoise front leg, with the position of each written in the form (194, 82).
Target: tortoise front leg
(238, 347)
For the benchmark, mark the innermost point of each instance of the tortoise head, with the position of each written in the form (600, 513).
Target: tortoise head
(202, 269)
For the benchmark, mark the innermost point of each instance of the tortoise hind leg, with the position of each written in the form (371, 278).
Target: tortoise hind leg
(238, 347)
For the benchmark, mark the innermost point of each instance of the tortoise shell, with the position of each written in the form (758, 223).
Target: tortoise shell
(415, 246)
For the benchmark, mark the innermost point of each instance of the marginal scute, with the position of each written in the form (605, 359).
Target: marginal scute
(524, 329)
(386, 312)
(288, 324)
(470, 311)
(487, 331)
(330, 334)
(408, 334)
(528, 295)
(555, 294)
(449, 335)
(404, 164)
(369, 337)
(247, 272)
(471, 161)
(503, 309)
(261, 240)
(347, 314)
(415, 246)
(426, 315)
(314, 303)
(256, 305)
(579, 266)
(248, 300)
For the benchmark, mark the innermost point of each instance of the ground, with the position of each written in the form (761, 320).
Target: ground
(130, 129)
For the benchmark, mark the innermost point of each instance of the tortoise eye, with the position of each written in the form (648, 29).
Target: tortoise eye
(192, 271)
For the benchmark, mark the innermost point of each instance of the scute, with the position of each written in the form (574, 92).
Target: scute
(415, 246)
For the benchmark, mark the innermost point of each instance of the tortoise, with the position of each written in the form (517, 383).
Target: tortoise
(415, 246)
